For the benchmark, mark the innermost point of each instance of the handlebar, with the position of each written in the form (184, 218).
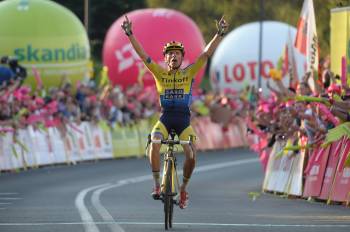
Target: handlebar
(171, 142)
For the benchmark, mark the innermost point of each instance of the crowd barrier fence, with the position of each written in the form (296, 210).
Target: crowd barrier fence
(321, 173)
(31, 147)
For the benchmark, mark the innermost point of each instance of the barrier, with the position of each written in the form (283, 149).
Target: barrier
(143, 130)
(327, 174)
(57, 145)
(106, 139)
(271, 176)
(126, 141)
(315, 171)
(295, 183)
(215, 136)
(89, 153)
(33, 147)
(29, 156)
(284, 170)
(331, 168)
(341, 186)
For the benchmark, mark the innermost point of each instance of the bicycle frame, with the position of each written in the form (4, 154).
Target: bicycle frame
(170, 181)
(170, 163)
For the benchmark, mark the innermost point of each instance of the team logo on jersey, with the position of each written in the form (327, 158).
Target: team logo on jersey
(174, 94)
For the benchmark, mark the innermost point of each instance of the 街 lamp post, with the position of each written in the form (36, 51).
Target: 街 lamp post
(260, 43)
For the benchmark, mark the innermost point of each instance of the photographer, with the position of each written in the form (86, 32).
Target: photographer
(13, 71)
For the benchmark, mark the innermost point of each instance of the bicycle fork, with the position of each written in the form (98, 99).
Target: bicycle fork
(174, 178)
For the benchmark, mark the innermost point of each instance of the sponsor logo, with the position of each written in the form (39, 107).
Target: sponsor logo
(174, 94)
(32, 54)
(171, 80)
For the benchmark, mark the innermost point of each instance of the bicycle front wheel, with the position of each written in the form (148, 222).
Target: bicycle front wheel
(168, 197)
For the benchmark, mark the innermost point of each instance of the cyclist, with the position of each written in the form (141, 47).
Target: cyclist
(174, 86)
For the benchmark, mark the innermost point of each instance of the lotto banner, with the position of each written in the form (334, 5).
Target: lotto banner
(340, 28)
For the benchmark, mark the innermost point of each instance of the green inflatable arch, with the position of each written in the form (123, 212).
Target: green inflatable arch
(44, 34)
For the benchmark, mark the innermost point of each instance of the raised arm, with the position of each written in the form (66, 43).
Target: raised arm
(222, 27)
(127, 27)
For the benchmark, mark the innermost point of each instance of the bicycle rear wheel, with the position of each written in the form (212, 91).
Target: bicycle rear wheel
(168, 197)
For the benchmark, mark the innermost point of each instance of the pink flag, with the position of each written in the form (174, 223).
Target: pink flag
(343, 72)
(37, 76)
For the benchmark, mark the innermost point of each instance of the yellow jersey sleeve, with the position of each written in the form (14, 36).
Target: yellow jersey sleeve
(193, 69)
(154, 68)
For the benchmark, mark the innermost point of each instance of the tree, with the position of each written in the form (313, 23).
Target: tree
(239, 12)
(102, 14)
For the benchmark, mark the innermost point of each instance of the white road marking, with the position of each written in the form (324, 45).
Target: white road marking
(5, 203)
(211, 167)
(103, 212)
(86, 217)
(8, 194)
(10, 198)
(179, 223)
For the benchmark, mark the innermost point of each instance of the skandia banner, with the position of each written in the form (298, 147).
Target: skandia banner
(45, 37)
(29, 53)
(235, 62)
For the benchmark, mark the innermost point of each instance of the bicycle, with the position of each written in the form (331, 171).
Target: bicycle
(170, 181)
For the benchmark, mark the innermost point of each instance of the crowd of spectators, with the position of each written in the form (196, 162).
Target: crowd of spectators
(304, 110)
(21, 105)
(288, 112)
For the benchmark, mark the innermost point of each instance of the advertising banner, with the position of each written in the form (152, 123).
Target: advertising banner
(106, 139)
(339, 38)
(341, 188)
(235, 62)
(35, 35)
(125, 66)
(315, 175)
(333, 159)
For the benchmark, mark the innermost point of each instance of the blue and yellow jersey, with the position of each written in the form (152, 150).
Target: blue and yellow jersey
(175, 89)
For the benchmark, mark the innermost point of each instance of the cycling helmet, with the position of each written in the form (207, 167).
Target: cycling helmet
(173, 45)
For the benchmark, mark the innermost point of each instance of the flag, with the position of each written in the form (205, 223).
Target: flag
(290, 63)
(286, 64)
(306, 39)
(104, 76)
(39, 82)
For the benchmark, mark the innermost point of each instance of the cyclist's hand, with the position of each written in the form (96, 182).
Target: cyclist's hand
(222, 26)
(127, 25)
